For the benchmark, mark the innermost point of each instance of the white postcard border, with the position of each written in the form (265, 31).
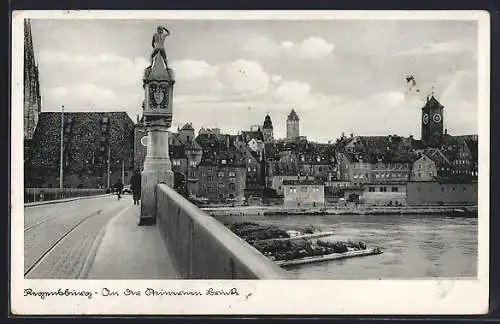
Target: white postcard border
(419, 296)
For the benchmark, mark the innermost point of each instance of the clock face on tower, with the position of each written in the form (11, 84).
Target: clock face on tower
(436, 118)
(425, 119)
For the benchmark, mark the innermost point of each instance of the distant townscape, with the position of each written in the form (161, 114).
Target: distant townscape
(252, 166)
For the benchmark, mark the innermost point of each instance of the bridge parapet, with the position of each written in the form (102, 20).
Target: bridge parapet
(203, 248)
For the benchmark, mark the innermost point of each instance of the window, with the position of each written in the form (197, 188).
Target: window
(371, 189)
(176, 162)
(232, 174)
(442, 189)
(249, 160)
(394, 189)
(209, 189)
(210, 178)
(303, 189)
(232, 186)
(293, 189)
(383, 189)
(221, 196)
(221, 185)
(464, 189)
(249, 169)
(220, 174)
(453, 188)
(223, 161)
(231, 196)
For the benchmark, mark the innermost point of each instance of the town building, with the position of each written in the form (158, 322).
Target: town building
(442, 193)
(424, 169)
(432, 123)
(91, 139)
(32, 97)
(222, 181)
(185, 155)
(444, 168)
(378, 168)
(222, 172)
(391, 194)
(267, 129)
(303, 193)
(292, 126)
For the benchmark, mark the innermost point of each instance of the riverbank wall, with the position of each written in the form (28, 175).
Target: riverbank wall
(401, 210)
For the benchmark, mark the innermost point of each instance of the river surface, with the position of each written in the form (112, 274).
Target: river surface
(414, 246)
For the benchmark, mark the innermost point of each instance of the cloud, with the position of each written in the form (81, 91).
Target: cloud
(310, 48)
(451, 47)
(313, 48)
(243, 77)
(193, 69)
(462, 87)
(105, 69)
(292, 92)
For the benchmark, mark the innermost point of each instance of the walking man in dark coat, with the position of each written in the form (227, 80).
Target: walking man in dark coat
(135, 186)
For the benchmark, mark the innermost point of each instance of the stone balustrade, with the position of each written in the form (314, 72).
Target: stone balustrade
(203, 248)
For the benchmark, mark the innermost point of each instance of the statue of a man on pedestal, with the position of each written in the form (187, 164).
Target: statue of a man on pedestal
(158, 43)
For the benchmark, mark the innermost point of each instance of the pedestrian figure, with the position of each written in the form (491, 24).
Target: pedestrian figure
(119, 188)
(135, 186)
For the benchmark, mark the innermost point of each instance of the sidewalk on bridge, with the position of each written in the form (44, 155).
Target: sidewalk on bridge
(129, 251)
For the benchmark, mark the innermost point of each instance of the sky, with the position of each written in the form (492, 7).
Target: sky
(339, 75)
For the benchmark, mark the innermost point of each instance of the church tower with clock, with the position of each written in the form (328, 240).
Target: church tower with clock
(432, 122)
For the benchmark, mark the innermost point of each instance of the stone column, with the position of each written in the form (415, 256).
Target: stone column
(158, 85)
(157, 169)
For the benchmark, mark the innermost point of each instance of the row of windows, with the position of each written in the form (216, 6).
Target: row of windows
(381, 175)
(220, 185)
(466, 172)
(461, 162)
(379, 166)
(383, 189)
(304, 189)
(420, 174)
(464, 189)
(220, 174)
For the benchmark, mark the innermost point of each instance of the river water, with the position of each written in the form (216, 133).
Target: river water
(414, 246)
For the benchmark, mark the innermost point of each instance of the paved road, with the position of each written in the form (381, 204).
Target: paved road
(59, 238)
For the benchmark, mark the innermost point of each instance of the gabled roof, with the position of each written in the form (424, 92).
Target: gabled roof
(293, 116)
(187, 126)
(249, 135)
(437, 156)
(268, 124)
(82, 138)
(432, 102)
(473, 148)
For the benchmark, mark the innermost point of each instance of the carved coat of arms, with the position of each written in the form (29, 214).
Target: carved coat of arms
(159, 95)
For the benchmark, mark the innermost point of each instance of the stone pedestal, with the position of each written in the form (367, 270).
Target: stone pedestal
(157, 169)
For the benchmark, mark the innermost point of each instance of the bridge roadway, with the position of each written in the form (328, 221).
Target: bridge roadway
(92, 238)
